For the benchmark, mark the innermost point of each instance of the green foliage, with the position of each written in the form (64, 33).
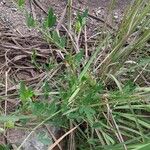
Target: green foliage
(30, 21)
(50, 20)
(59, 40)
(4, 147)
(112, 112)
(143, 147)
(21, 3)
(81, 20)
(10, 124)
(43, 109)
(25, 93)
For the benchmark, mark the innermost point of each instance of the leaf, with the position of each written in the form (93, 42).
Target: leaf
(38, 108)
(42, 109)
(88, 112)
(21, 3)
(60, 41)
(81, 20)
(10, 124)
(25, 93)
(77, 26)
(85, 69)
(30, 21)
(56, 37)
(84, 17)
(79, 56)
(143, 147)
(50, 20)
(3, 147)
(97, 125)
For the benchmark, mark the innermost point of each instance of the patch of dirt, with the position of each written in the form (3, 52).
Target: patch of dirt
(120, 4)
(13, 18)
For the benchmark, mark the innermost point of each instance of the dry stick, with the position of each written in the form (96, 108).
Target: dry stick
(85, 40)
(115, 125)
(96, 18)
(37, 3)
(111, 126)
(6, 92)
(52, 135)
(32, 10)
(145, 80)
(72, 40)
(140, 73)
(100, 137)
(49, 74)
(69, 6)
(62, 137)
(72, 141)
(99, 33)
(6, 89)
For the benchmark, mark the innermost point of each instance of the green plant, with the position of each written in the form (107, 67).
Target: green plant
(89, 100)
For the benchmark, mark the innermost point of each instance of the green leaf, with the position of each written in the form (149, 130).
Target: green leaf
(43, 109)
(85, 69)
(25, 93)
(84, 17)
(38, 108)
(56, 37)
(30, 21)
(81, 20)
(97, 125)
(21, 3)
(10, 124)
(60, 41)
(50, 19)
(4, 147)
(88, 112)
(143, 147)
(79, 56)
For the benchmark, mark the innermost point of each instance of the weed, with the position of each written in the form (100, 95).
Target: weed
(90, 101)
